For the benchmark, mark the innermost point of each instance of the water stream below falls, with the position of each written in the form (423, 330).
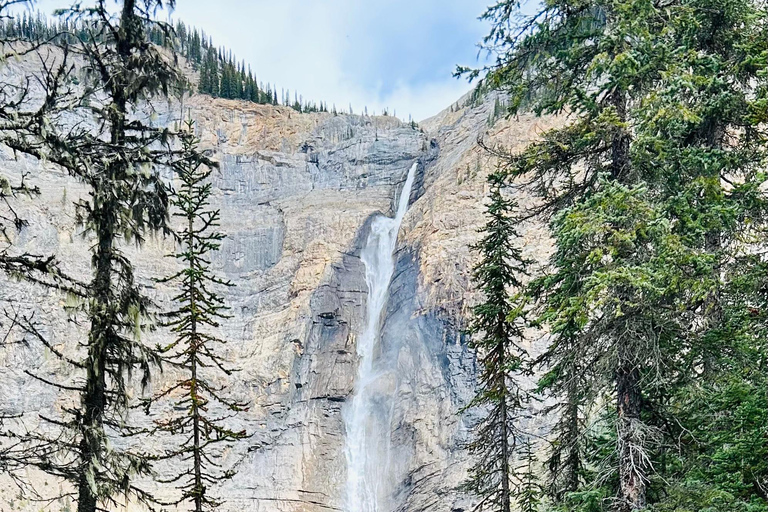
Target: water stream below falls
(368, 416)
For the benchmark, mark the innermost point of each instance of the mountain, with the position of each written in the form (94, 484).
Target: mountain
(298, 193)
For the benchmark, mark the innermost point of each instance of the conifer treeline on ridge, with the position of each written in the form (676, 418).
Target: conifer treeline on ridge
(221, 75)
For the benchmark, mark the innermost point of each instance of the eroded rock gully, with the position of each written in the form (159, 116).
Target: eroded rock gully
(297, 194)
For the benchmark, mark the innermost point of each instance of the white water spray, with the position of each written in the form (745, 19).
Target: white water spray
(369, 415)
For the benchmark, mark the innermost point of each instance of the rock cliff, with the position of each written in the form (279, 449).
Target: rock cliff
(297, 193)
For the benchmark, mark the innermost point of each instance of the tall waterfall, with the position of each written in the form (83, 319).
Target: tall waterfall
(369, 415)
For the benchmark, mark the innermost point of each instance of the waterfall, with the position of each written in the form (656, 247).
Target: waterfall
(368, 417)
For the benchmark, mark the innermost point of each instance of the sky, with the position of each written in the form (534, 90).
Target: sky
(393, 54)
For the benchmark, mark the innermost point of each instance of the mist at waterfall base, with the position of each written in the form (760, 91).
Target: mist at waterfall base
(368, 418)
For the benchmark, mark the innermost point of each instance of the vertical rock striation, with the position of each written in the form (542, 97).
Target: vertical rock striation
(298, 194)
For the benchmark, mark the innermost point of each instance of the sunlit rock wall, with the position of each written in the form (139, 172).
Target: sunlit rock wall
(297, 192)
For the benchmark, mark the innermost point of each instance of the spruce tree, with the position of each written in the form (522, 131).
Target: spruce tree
(203, 405)
(646, 202)
(249, 86)
(703, 127)
(591, 77)
(234, 91)
(204, 85)
(117, 157)
(224, 82)
(529, 492)
(497, 333)
(213, 72)
(122, 204)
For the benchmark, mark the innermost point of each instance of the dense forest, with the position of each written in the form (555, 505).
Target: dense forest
(655, 373)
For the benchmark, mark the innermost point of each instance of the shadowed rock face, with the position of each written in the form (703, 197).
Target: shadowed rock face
(297, 193)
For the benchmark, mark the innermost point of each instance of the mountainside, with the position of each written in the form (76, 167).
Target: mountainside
(297, 194)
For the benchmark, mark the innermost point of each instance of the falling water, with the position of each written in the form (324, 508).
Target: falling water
(369, 415)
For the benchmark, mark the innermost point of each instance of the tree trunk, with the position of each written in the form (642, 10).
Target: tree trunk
(102, 312)
(630, 442)
(632, 464)
(94, 397)
(503, 413)
(505, 492)
(196, 455)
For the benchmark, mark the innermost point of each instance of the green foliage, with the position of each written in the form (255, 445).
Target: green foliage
(528, 492)
(117, 157)
(721, 461)
(497, 329)
(655, 193)
(200, 309)
(219, 75)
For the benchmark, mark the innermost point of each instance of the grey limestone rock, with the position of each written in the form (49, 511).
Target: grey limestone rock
(297, 192)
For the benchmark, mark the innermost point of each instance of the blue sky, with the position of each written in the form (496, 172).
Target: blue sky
(398, 54)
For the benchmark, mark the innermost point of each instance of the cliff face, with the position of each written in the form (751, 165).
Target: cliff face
(297, 193)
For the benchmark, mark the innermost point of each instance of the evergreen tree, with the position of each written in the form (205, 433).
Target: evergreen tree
(703, 127)
(204, 83)
(590, 76)
(296, 102)
(646, 203)
(234, 91)
(529, 492)
(240, 81)
(195, 50)
(248, 92)
(213, 73)
(497, 329)
(118, 159)
(194, 351)
(223, 85)
(122, 203)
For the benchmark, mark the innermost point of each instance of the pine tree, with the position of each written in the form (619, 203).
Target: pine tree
(241, 82)
(590, 78)
(235, 84)
(204, 84)
(118, 159)
(215, 74)
(529, 492)
(224, 80)
(195, 50)
(703, 127)
(497, 329)
(194, 351)
(248, 88)
(212, 72)
(127, 203)
(634, 188)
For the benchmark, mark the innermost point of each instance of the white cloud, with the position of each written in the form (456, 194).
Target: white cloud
(394, 54)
